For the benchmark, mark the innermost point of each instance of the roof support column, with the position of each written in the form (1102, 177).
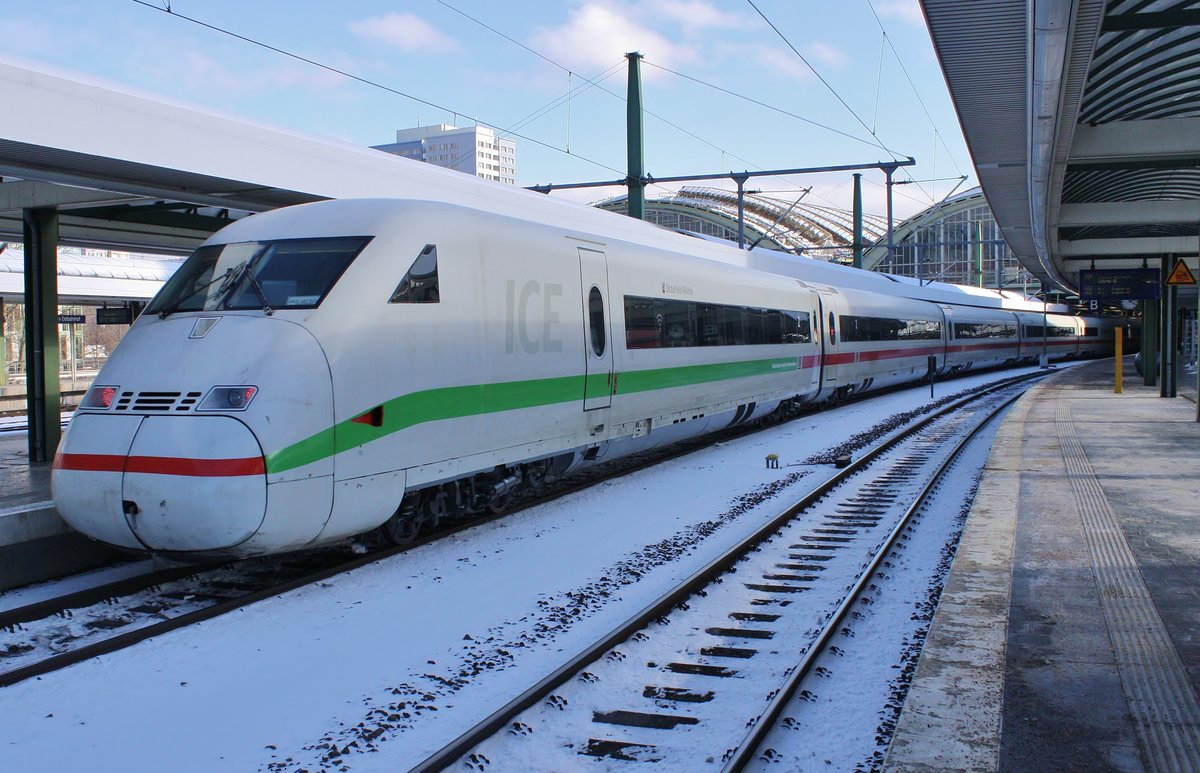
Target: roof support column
(41, 333)
(1166, 332)
(858, 220)
(635, 142)
(741, 179)
(891, 245)
(1150, 309)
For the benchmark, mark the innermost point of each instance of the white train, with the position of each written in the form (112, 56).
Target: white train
(318, 371)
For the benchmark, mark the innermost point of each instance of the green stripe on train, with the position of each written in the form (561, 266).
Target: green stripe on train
(481, 399)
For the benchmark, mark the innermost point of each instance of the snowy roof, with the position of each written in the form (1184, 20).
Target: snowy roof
(84, 276)
(791, 225)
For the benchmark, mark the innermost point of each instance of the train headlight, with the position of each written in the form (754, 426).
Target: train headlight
(100, 398)
(228, 398)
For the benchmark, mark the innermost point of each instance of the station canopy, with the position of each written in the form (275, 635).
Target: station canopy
(1083, 119)
(790, 225)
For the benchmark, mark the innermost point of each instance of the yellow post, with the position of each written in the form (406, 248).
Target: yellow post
(1119, 334)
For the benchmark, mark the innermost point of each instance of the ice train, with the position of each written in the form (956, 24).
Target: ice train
(318, 371)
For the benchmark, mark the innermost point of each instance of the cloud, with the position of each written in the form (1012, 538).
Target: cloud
(826, 54)
(785, 63)
(28, 36)
(908, 10)
(782, 61)
(201, 70)
(596, 36)
(695, 13)
(405, 31)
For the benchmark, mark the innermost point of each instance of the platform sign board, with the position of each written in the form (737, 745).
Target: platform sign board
(115, 316)
(71, 319)
(1119, 284)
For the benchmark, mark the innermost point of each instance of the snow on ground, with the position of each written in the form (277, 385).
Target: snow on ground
(424, 643)
(837, 725)
(32, 594)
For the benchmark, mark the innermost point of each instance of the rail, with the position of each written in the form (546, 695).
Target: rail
(501, 718)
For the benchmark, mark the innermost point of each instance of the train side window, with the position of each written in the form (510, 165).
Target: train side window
(832, 331)
(643, 323)
(596, 321)
(420, 282)
(651, 323)
(773, 331)
(796, 328)
(679, 318)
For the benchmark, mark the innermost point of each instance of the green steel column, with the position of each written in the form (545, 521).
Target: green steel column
(858, 234)
(888, 171)
(979, 255)
(635, 139)
(3, 348)
(1170, 344)
(1165, 313)
(741, 179)
(1150, 342)
(41, 333)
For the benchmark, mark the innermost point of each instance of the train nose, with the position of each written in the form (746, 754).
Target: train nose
(163, 483)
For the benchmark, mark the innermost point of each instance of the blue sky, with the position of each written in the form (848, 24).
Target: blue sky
(433, 51)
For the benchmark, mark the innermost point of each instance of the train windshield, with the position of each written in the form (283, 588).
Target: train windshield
(281, 274)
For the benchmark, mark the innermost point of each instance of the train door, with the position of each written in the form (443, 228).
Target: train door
(826, 332)
(598, 357)
(947, 328)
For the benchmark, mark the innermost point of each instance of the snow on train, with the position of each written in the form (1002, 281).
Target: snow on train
(317, 371)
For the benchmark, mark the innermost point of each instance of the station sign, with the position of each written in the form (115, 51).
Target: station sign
(72, 319)
(120, 315)
(1119, 284)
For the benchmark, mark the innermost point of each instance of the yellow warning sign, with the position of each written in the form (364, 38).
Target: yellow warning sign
(1181, 274)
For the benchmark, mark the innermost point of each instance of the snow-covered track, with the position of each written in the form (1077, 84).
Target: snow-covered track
(751, 747)
(59, 632)
(625, 694)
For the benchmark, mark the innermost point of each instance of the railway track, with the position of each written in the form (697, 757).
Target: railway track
(701, 675)
(48, 635)
(52, 634)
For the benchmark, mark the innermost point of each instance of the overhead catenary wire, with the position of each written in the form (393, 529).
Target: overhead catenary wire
(392, 90)
(823, 82)
(673, 125)
(888, 40)
(358, 78)
(821, 78)
(554, 103)
(876, 144)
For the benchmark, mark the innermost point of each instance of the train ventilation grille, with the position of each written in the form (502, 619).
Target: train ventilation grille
(158, 402)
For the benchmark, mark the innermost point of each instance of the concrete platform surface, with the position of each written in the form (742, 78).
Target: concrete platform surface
(35, 543)
(1068, 635)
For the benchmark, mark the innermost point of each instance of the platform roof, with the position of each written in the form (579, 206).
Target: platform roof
(146, 164)
(1083, 119)
(83, 279)
(165, 157)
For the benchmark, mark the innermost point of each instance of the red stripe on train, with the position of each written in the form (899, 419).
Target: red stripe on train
(846, 358)
(161, 465)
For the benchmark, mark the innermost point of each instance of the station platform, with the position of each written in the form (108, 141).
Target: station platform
(35, 543)
(1068, 633)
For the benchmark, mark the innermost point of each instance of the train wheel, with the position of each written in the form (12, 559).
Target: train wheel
(405, 524)
(401, 531)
